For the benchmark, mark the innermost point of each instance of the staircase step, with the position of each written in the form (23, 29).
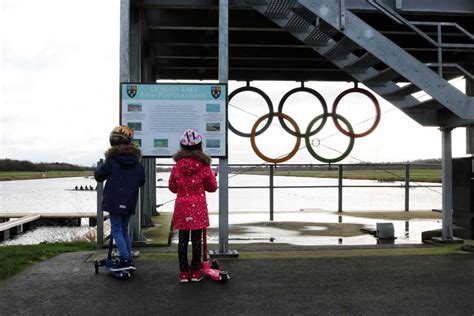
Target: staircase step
(382, 77)
(401, 93)
(279, 9)
(362, 64)
(257, 2)
(430, 104)
(301, 20)
(321, 35)
(343, 48)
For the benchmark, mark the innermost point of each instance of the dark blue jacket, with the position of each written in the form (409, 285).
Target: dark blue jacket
(124, 174)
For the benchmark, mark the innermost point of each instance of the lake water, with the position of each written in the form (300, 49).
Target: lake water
(245, 206)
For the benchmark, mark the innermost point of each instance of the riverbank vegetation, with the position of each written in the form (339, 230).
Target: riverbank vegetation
(25, 175)
(11, 169)
(416, 175)
(16, 258)
(428, 170)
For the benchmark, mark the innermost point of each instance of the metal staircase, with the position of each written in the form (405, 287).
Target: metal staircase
(340, 36)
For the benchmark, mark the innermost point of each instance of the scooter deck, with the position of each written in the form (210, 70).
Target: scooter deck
(108, 264)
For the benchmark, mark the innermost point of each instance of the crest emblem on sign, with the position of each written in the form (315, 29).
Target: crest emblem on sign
(216, 91)
(132, 91)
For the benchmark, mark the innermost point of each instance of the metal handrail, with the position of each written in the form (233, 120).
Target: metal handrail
(392, 14)
(340, 186)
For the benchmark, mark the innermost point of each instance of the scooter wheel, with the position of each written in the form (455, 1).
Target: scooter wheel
(96, 266)
(215, 264)
(224, 277)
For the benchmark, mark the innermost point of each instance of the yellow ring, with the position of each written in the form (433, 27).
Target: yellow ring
(254, 145)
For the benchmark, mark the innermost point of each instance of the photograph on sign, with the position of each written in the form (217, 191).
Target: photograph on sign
(159, 113)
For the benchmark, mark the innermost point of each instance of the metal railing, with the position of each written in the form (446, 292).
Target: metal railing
(438, 43)
(237, 169)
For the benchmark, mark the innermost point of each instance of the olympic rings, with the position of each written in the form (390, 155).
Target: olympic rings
(254, 145)
(310, 91)
(349, 131)
(344, 154)
(377, 109)
(267, 100)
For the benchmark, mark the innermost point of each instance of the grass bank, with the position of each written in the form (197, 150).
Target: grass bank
(416, 175)
(14, 259)
(26, 175)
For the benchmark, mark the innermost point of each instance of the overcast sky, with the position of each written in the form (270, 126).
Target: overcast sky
(59, 97)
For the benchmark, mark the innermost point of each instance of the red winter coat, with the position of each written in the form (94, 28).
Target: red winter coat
(190, 178)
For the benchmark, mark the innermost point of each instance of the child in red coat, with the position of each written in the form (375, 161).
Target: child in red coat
(190, 177)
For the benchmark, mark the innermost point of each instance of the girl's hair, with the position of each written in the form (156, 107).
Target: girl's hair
(192, 147)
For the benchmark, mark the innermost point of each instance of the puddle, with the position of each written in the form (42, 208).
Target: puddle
(321, 228)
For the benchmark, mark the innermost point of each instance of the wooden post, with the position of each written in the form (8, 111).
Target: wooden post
(100, 214)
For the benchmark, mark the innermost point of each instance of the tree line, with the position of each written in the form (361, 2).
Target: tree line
(25, 165)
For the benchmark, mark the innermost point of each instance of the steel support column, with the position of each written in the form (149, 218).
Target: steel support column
(149, 191)
(224, 162)
(470, 129)
(130, 71)
(447, 197)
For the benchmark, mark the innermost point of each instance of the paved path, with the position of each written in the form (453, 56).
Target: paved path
(377, 285)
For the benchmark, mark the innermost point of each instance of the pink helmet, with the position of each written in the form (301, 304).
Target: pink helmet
(190, 138)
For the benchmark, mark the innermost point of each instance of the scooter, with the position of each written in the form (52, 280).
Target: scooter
(211, 269)
(109, 263)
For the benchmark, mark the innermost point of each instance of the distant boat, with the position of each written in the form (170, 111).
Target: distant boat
(83, 188)
(385, 181)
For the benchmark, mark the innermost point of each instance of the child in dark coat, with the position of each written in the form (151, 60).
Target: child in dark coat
(190, 177)
(124, 174)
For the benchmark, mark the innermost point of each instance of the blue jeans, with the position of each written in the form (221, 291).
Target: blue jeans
(119, 228)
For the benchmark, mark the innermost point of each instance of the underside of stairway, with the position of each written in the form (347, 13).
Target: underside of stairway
(369, 57)
(406, 51)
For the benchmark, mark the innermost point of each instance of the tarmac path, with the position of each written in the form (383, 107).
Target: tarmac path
(376, 285)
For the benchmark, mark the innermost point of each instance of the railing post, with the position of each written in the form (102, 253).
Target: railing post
(100, 213)
(271, 192)
(440, 53)
(407, 187)
(339, 188)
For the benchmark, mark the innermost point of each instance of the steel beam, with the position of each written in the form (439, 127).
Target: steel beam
(428, 7)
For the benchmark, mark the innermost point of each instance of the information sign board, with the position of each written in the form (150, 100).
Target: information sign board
(159, 113)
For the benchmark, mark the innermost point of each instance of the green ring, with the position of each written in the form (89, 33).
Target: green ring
(308, 142)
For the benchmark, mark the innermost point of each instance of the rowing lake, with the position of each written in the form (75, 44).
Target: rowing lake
(246, 206)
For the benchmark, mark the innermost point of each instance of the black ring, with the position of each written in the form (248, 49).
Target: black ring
(270, 107)
(318, 96)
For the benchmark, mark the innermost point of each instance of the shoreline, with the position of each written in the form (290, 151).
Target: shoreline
(36, 175)
(428, 175)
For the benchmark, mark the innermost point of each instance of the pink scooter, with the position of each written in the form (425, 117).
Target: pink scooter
(211, 269)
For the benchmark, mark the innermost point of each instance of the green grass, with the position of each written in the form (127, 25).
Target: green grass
(14, 259)
(416, 175)
(25, 175)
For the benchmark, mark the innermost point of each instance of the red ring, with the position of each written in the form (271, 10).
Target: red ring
(377, 109)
